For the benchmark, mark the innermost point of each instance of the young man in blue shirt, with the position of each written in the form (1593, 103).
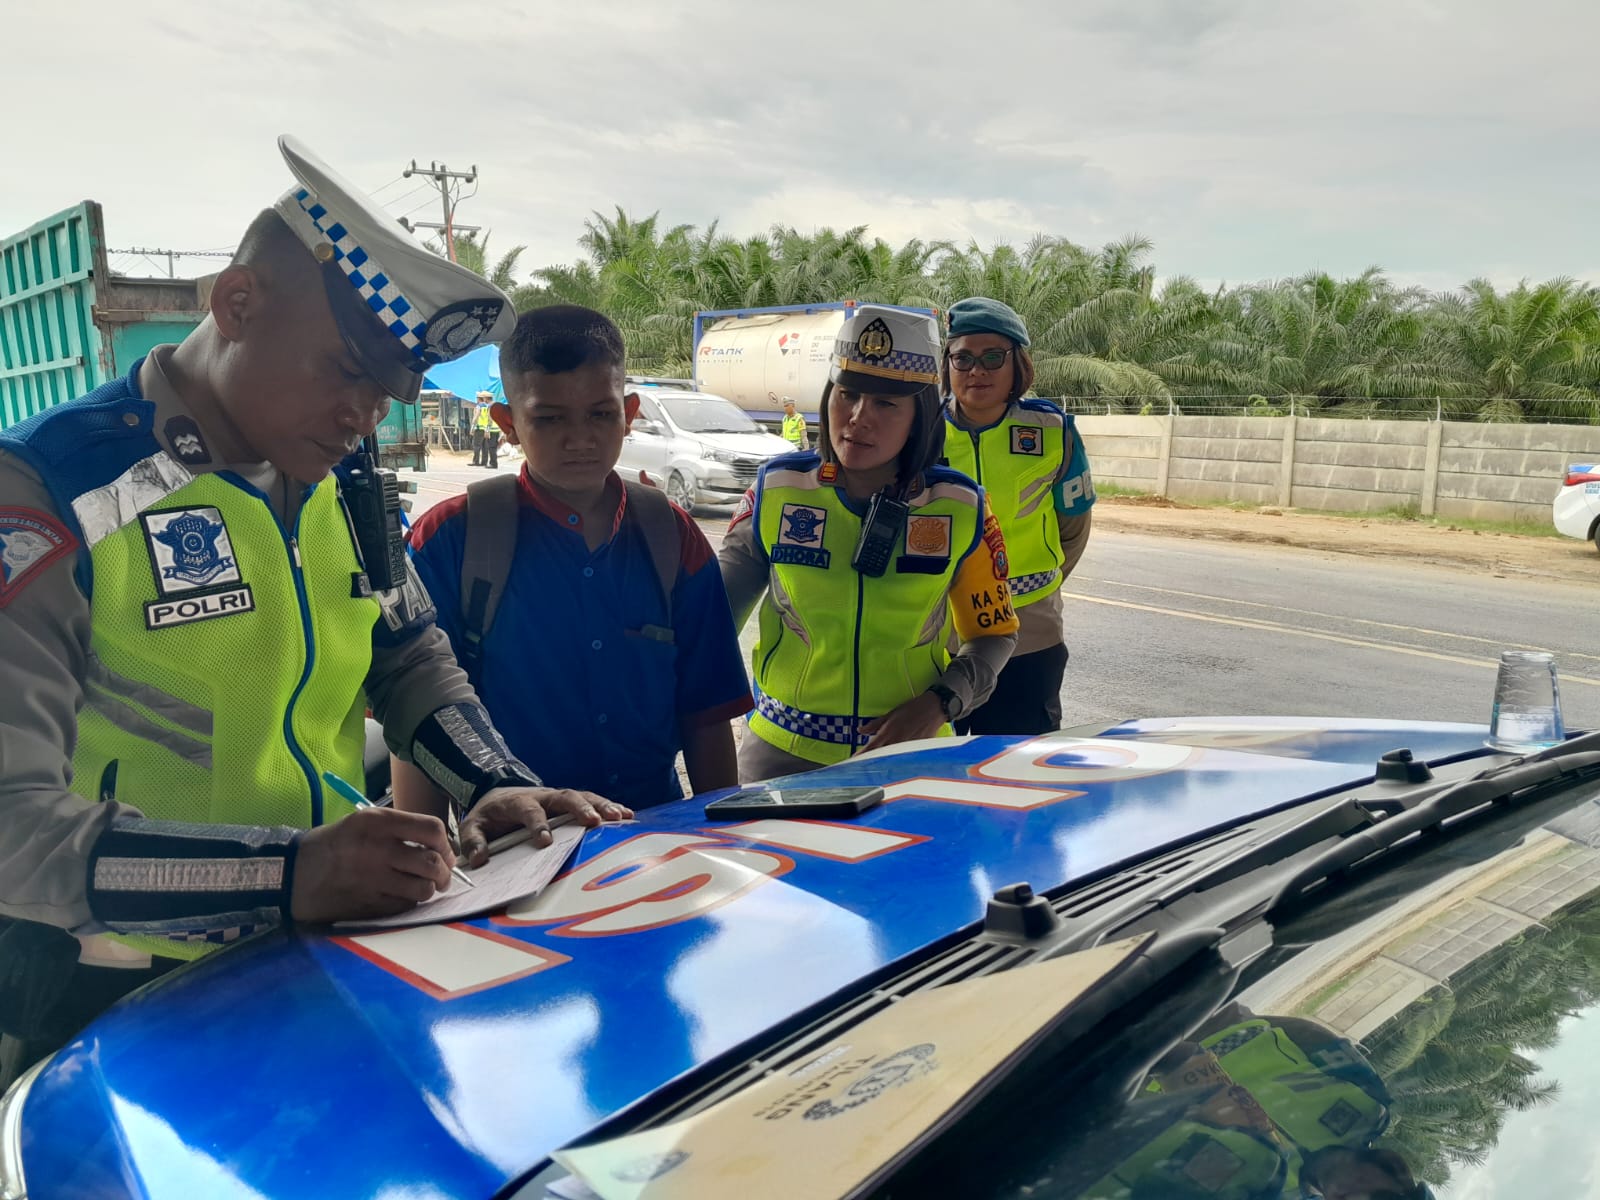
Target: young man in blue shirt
(592, 678)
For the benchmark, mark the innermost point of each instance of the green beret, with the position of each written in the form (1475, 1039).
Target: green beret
(979, 314)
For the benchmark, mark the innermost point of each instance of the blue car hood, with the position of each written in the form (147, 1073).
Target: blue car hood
(449, 1060)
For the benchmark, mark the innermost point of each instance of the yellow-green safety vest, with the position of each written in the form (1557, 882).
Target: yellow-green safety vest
(1017, 461)
(226, 662)
(838, 648)
(794, 430)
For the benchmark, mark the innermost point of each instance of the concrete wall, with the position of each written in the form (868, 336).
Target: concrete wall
(1358, 466)
(1508, 472)
(1452, 469)
(1128, 451)
(1226, 458)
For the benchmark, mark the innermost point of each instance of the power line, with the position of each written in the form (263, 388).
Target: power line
(404, 196)
(414, 208)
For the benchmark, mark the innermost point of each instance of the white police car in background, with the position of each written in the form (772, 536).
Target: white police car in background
(1576, 510)
(700, 448)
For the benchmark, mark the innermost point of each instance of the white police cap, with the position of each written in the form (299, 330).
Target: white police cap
(888, 349)
(400, 307)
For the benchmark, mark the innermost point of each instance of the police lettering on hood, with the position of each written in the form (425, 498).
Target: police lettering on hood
(895, 352)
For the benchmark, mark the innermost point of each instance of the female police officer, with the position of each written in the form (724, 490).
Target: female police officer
(1027, 456)
(862, 549)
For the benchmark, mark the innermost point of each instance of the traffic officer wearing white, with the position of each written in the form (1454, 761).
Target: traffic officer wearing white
(863, 550)
(1027, 456)
(191, 639)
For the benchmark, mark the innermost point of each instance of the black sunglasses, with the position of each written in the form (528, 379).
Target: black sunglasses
(989, 360)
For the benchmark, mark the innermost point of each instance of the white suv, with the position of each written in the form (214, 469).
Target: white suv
(700, 448)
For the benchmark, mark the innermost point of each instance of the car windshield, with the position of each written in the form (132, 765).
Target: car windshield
(1430, 1034)
(708, 414)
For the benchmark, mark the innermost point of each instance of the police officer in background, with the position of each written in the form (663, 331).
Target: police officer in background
(1027, 456)
(190, 638)
(794, 426)
(485, 435)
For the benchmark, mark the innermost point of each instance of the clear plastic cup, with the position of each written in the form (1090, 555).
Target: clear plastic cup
(1527, 703)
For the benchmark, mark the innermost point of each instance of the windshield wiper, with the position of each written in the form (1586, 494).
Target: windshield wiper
(1520, 781)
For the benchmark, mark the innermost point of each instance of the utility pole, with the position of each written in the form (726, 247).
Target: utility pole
(442, 176)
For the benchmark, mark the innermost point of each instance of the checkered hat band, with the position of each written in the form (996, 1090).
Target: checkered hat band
(397, 314)
(820, 727)
(886, 368)
(1026, 585)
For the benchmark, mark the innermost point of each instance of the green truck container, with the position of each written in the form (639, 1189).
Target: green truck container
(400, 438)
(67, 324)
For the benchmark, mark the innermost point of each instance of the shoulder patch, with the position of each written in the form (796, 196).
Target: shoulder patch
(187, 442)
(745, 508)
(30, 540)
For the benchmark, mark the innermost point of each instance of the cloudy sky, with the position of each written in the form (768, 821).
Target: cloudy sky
(1250, 139)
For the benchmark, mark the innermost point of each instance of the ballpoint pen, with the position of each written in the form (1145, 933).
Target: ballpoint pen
(348, 792)
(517, 836)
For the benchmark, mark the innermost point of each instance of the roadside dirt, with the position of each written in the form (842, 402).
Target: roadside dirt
(1497, 554)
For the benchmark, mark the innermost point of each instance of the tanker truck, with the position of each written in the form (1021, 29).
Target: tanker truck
(746, 353)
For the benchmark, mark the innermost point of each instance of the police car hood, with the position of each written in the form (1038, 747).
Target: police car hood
(449, 1060)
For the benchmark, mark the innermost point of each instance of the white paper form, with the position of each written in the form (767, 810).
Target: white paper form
(510, 875)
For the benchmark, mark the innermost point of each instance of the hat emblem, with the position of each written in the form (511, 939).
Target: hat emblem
(875, 342)
(458, 328)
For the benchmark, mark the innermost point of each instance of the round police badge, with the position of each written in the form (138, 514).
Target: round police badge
(458, 328)
(876, 341)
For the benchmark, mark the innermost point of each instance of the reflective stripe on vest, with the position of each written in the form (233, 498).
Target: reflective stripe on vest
(227, 660)
(1017, 461)
(837, 648)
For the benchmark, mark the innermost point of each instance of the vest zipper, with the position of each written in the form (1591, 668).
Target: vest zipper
(291, 547)
(977, 454)
(292, 543)
(855, 665)
(782, 629)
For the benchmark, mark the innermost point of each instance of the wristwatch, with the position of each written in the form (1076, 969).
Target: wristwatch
(948, 703)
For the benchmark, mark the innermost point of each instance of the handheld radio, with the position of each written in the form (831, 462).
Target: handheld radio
(372, 499)
(880, 534)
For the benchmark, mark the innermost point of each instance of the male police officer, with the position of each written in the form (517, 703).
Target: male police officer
(191, 639)
(794, 426)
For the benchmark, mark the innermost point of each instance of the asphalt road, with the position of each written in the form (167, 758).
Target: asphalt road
(1160, 626)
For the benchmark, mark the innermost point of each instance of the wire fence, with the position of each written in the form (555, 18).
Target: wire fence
(1351, 408)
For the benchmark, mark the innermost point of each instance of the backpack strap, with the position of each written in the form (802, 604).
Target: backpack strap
(659, 524)
(486, 560)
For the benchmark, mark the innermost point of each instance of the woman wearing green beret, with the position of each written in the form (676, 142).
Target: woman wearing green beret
(1027, 456)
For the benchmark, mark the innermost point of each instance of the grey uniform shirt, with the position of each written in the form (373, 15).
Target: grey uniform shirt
(46, 830)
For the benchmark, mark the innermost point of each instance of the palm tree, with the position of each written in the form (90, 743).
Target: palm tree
(1457, 1062)
(1316, 342)
(1067, 296)
(473, 254)
(1523, 352)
